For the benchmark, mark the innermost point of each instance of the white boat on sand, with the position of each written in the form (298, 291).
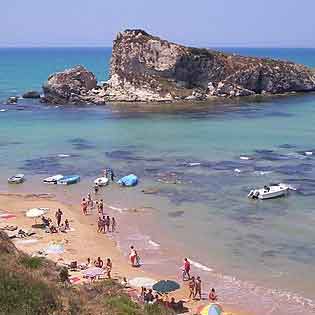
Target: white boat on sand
(53, 179)
(269, 192)
(16, 179)
(101, 181)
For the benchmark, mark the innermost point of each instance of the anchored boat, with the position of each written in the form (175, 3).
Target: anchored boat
(68, 180)
(269, 192)
(16, 179)
(53, 179)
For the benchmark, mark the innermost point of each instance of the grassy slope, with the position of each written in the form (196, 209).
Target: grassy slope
(31, 286)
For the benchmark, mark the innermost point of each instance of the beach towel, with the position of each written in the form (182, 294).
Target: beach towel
(7, 216)
(54, 248)
(93, 272)
(74, 280)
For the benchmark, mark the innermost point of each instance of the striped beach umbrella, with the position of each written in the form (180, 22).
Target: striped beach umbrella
(211, 309)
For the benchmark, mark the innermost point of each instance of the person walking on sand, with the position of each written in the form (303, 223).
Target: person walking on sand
(108, 223)
(186, 269)
(198, 288)
(84, 206)
(192, 287)
(101, 206)
(109, 267)
(96, 189)
(89, 201)
(133, 256)
(58, 216)
(113, 224)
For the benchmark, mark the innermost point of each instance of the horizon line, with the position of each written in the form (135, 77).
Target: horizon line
(207, 47)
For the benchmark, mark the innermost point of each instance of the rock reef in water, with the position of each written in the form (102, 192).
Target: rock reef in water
(72, 86)
(145, 68)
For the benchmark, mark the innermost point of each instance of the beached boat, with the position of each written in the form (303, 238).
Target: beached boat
(16, 179)
(269, 192)
(53, 179)
(101, 181)
(129, 180)
(68, 180)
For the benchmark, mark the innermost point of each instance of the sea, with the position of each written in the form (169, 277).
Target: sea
(196, 164)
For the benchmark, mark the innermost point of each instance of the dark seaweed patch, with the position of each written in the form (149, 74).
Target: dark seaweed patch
(81, 144)
(287, 146)
(176, 214)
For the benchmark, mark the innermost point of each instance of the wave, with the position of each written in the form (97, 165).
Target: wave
(200, 266)
(154, 244)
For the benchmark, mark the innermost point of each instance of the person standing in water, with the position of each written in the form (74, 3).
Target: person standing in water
(114, 224)
(108, 223)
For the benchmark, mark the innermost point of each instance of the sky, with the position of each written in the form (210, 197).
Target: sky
(202, 23)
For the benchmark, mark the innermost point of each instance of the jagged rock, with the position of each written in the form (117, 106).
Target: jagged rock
(70, 87)
(147, 68)
(31, 94)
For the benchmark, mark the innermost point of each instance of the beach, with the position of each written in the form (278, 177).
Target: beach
(80, 243)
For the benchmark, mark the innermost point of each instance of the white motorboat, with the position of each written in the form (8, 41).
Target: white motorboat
(101, 181)
(269, 192)
(53, 179)
(16, 179)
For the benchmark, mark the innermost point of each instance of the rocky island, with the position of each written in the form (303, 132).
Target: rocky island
(145, 68)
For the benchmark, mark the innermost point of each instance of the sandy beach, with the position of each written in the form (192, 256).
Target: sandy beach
(81, 242)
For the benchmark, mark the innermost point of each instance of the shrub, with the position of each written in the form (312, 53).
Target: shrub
(31, 262)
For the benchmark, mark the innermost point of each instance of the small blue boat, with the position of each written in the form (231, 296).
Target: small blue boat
(69, 179)
(129, 180)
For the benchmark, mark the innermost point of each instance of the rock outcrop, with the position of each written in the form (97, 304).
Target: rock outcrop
(72, 86)
(147, 68)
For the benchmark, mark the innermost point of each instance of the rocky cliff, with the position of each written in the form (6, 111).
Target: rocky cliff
(72, 86)
(146, 68)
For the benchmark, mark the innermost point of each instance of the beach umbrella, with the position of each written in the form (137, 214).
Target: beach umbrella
(93, 272)
(35, 212)
(165, 286)
(211, 309)
(139, 282)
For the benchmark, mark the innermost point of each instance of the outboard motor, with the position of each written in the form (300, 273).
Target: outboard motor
(256, 194)
(251, 194)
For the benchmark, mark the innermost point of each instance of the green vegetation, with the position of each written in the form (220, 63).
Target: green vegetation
(35, 286)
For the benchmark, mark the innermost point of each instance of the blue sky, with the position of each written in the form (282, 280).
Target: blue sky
(282, 23)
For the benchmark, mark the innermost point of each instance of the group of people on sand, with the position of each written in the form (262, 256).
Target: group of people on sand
(194, 284)
(59, 227)
(100, 264)
(106, 224)
(147, 297)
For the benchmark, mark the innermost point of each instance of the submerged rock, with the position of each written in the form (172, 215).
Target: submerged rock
(148, 68)
(31, 94)
(72, 86)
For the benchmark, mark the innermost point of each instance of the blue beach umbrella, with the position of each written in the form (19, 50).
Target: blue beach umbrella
(165, 286)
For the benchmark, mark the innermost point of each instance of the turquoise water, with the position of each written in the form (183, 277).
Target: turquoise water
(206, 214)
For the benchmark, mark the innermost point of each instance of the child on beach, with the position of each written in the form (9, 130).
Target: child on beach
(101, 206)
(84, 206)
(100, 225)
(96, 189)
(89, 201)
(213, 296)
(109, 267)
(113, 224)
(67, 225)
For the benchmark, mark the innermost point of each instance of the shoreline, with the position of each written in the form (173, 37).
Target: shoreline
(83, 236)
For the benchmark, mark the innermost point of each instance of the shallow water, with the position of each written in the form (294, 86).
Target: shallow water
(198, 166)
